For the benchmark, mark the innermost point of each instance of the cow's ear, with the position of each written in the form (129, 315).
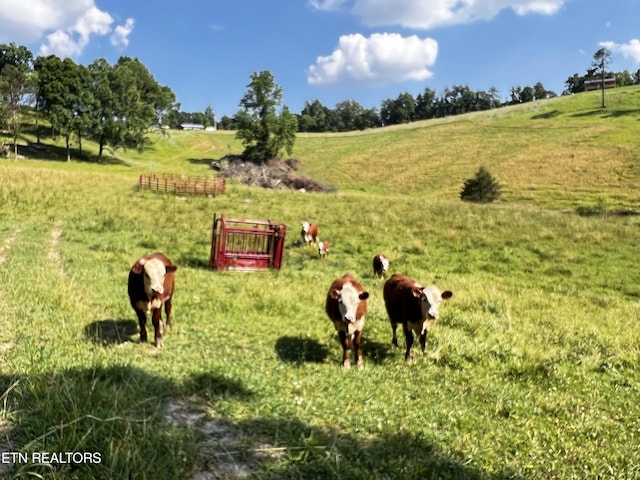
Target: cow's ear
(138, 267)
(334, 293)
(447, 294)
(416, 292)
(363, 295)
(171, 268)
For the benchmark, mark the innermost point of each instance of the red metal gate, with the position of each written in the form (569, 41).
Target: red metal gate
(246, 244)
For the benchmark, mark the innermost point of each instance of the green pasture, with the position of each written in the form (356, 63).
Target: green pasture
(532, 371)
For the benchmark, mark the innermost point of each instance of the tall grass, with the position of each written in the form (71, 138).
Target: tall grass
(531, 371)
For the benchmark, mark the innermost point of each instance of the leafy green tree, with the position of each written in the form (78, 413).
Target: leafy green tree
(312, 117)
(103, 113)
(368, 118)
(425, 104)
(573, 84)
(140, 103)
(399, 110)
(210, 116)
(349, 112)
(18, 56)
(61, 92)
(481, 188)
(16, 87)
(263, 130)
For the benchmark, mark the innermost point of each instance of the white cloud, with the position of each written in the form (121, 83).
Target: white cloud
(630, 49)
(425, 14)
(120, 36)
(379, 59)
(326, 5)
(67, 26)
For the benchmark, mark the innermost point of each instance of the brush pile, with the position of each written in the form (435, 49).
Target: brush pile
(276, 173)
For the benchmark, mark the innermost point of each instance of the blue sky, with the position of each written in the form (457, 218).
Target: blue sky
(333, 50)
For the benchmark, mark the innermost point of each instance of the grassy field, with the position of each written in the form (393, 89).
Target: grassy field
(532, 371)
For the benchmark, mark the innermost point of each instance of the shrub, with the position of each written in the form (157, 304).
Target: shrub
(481, 188)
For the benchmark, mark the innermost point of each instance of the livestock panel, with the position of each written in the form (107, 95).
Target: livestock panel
(182, 184)
(246, 245)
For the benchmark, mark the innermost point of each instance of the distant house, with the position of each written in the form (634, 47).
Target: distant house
(192, 126)
(609, 82)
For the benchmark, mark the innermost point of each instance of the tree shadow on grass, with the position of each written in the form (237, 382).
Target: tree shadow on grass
(111, 332)
(546, 115)
(202, 161)
(272, 448)
(46, 151)
(146, 426)
(133, 423)
(301, 350)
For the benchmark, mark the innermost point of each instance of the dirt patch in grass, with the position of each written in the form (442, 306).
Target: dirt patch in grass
(276, 173)
(224, 449)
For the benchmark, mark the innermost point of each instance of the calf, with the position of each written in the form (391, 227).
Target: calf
(151, 284)
(380, 265)
(309, 233)
(346, 307)
(414, 307)
(323, 249)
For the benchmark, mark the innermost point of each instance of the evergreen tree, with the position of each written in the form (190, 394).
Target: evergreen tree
(481, 188)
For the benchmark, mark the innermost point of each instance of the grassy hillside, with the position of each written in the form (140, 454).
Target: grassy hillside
(531, 371)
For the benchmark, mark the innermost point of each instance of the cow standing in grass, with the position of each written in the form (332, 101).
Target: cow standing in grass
(151, 285)
(346, 306)
(380, 265)
(309, 233)
(414, 307)
(323, 249)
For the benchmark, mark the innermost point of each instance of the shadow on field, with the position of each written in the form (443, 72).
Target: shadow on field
(209, 385)
(307, 452)
(378, 352)
(111, 332)
(607, 113)
(546, 116)
(194, 262)
(146, 426)
(47, 151)
(139, 425)
(201, 161)
(301, 350)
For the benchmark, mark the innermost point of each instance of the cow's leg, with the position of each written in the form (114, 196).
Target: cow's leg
(344, 341)
(142, 321)
(394, 339)
(357, 339)
(423, 340)
(408, 337)
(157, 326)
(167, 311)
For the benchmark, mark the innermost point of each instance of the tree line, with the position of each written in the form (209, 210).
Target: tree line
(114, 105)
(117, 105)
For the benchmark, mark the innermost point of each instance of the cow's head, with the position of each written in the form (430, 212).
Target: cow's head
(154, 271)
(430, 298)
(305, 227)
(348, 298)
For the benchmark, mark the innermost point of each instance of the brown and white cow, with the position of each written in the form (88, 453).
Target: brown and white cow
(323, 249)
(346, 306)
(309, 233)
(414, 307)
(151, 285)
(380, 265)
